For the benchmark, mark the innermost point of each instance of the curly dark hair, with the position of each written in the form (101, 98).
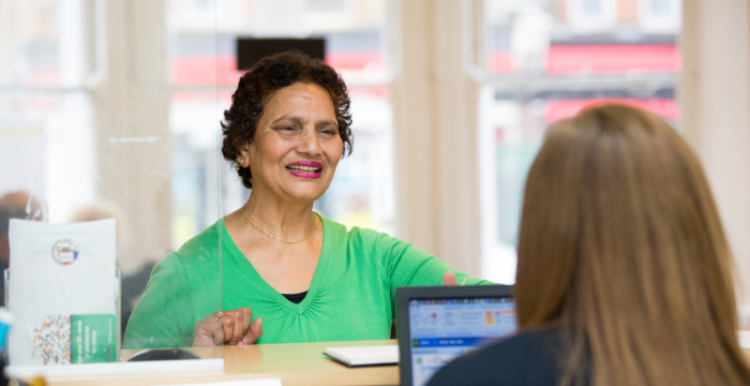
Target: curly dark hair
(257, 86)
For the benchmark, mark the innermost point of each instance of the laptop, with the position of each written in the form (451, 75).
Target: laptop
(438, 324)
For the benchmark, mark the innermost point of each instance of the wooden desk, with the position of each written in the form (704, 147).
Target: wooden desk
(294, 364)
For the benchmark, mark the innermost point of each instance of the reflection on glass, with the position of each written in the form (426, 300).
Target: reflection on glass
(550, 59)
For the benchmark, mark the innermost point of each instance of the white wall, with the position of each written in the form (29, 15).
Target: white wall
(714, 98)
(435, 128)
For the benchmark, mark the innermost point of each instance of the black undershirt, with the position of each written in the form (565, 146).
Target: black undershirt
(296, 298)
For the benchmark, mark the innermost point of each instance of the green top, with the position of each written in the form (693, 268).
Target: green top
(352, 295)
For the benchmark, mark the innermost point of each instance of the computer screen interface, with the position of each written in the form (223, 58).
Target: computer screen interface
(443, 329)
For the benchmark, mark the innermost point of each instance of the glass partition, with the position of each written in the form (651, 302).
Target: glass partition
(548, 59)
(112, 110)
(91, 129)
(361, 192)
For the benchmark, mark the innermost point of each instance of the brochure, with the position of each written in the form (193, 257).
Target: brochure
(62, 293)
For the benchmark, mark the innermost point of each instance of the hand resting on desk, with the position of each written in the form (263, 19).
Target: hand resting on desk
(230, 328)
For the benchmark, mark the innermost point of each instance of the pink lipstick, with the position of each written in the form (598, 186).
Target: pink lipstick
(305, 169)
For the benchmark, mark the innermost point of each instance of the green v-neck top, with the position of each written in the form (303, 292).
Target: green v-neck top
(352, 295)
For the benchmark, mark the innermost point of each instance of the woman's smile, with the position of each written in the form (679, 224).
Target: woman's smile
(305, 169)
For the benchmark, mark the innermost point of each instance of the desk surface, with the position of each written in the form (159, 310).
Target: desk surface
(294, 364)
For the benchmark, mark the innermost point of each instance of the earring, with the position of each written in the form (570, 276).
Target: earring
(239, 164)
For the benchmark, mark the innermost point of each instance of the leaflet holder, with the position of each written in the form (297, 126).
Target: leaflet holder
(64, 300)
(118, 306)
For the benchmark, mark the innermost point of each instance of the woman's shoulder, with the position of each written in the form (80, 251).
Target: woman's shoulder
(197, 254)
(527, 358)
(195, 268)
(356, 234)
(354, 237)
(209, 238)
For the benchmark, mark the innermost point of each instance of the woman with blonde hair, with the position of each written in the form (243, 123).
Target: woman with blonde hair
(624, 272)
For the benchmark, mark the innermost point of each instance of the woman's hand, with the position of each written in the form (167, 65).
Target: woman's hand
(449, 279)
(229, 328)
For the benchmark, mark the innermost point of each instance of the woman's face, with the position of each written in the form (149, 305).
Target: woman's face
(297, 143)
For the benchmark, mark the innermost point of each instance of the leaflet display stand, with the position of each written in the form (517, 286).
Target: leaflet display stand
(66, 304)
(118, 305)
(63, 290)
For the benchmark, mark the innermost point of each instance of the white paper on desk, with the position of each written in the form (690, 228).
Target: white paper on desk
(75, 283)
(248, 382)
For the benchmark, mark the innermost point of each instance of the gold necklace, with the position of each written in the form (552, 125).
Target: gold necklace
(276, 238)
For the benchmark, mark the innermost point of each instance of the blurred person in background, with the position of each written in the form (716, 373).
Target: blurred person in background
(134, 272)
(18, 204)
(274, 271)
(624, 273)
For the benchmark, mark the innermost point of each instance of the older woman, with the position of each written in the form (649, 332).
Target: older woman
(274, 271)
(624, 273)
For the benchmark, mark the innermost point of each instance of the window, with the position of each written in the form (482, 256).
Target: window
(659, 7)
(553, 75)
(660, 16)
(44, 109)
(591, 8)
(585, 16)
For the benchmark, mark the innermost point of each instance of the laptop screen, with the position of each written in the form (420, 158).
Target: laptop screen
(442, 329)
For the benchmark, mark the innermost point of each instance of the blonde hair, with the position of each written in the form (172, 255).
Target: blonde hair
(621, 245)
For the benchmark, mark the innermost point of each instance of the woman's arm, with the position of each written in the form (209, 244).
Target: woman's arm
(410, 266)
(165, 315)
